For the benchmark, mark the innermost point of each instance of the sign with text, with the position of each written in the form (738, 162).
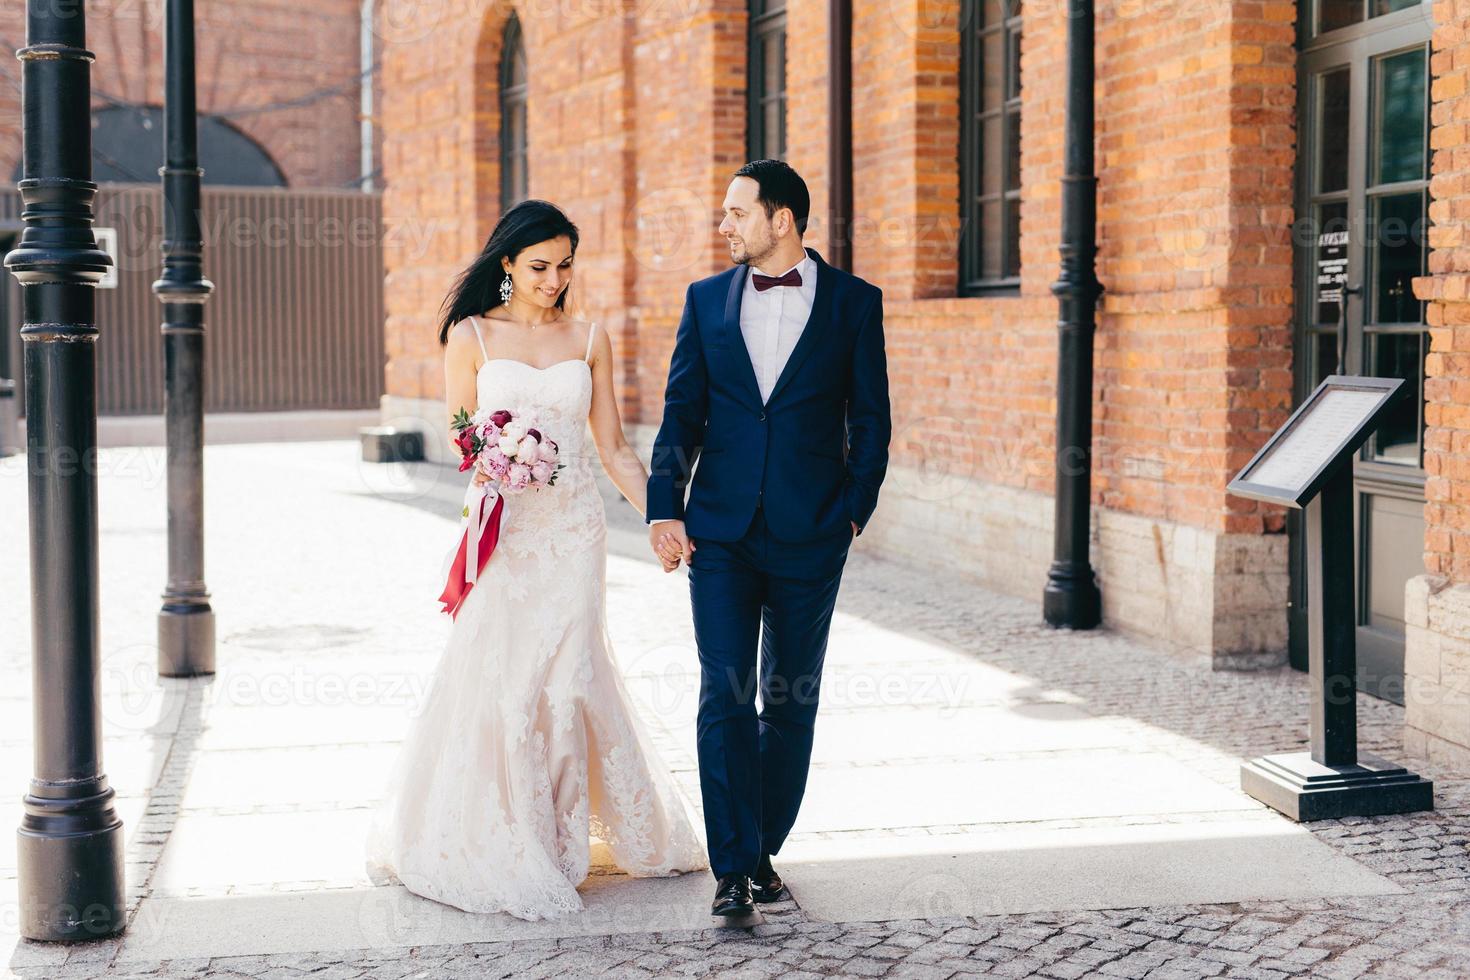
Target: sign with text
(1329, 426)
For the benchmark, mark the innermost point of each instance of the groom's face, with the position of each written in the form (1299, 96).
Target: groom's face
(746, 226)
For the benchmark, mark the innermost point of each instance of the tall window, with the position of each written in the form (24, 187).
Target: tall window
(765, 129)
(512, 116)
(990, 147)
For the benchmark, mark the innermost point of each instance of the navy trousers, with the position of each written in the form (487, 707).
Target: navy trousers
(753, 763)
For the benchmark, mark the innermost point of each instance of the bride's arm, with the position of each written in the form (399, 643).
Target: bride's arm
(459, 377)
(619, 459)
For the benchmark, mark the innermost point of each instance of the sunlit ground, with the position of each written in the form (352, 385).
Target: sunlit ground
(946, 781)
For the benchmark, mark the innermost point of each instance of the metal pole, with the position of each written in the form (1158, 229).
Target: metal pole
(186, 621)
(1332, 622)
(69, 846)
(839, 133)
(1071, 597)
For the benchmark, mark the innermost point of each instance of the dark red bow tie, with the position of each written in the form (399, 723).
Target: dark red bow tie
(762, 283)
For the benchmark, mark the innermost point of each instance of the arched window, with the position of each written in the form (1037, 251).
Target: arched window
(127, 147)
(990, 147)
(765, 125)
(512, 116)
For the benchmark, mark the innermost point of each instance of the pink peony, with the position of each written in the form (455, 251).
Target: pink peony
(547, 452)
(541, 471)
(495, 462)
(519, 476)
(527, 450)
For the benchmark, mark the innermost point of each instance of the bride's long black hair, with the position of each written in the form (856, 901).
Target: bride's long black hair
(477, 288)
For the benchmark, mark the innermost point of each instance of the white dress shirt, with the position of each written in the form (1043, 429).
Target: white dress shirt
(771, 321)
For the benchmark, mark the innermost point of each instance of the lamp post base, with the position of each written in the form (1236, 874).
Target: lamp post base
(69, 859)
(1307, 790)
(1071, 598)
(186, 640)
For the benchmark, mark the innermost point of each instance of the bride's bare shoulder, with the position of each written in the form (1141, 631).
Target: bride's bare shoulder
(461, 335)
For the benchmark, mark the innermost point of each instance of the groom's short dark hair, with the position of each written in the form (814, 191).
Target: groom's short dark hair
(780, 187)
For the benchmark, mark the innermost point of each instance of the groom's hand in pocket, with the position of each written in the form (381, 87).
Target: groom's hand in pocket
(670, 543)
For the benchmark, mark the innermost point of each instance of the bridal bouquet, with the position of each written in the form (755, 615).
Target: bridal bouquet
(512, 452)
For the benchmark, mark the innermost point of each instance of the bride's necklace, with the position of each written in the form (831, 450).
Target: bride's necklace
(525, 323)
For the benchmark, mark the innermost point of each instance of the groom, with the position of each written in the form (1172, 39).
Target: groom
(778, 387)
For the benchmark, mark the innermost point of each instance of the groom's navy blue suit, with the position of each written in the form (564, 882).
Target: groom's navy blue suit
(770, 509)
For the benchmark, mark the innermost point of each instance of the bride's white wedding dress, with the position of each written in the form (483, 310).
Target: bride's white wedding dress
(527, 742)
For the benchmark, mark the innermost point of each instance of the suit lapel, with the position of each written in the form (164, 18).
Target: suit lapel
(734, 340)
(817, 324)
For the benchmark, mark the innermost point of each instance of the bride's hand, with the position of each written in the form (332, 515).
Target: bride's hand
(481, 477)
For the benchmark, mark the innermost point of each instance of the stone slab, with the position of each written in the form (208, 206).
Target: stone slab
(1044, 786)
(382, 917)
(1031, 870)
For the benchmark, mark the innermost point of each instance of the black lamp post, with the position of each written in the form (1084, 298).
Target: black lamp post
(1071, 598)
(69, 846)
(186, 621)
(839, 132)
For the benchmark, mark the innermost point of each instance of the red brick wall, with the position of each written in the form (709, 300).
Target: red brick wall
(1194, 155)
(806, 110)
(689, 70)
(1447, 288)
(442, 179)
(639, 122)
(247, 55)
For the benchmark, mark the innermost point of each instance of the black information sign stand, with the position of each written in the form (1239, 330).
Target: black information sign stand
(1308, 464)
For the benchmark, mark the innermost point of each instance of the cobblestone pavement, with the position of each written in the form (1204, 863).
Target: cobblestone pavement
(1207, 720)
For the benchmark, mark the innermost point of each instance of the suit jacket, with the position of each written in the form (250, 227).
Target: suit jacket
(813, 455)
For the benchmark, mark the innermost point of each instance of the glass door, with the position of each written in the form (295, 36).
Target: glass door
(1362, 177)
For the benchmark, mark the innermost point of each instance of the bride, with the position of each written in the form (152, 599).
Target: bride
(528, 744)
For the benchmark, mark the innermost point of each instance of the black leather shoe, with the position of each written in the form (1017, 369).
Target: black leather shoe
(765, 884)
(732, 896)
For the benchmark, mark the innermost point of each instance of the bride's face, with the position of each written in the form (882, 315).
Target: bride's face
(541, 271)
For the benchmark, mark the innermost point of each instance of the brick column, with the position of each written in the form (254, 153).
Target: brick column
(1437, 603)
(689, 139)
(441, 112)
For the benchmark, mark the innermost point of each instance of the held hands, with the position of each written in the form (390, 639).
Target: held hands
(670, 543)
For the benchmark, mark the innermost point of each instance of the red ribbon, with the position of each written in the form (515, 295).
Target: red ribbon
(456, 588)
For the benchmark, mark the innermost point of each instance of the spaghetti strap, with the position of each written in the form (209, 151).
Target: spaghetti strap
(591, 332)
(476, 324)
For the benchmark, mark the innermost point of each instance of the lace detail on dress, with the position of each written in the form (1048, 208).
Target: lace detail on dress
(528, 744)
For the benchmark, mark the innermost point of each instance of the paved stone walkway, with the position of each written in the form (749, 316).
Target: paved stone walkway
(249, 787)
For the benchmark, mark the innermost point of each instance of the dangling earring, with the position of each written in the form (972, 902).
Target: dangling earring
(506, 288)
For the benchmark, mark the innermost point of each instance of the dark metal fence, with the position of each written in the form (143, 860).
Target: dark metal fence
(296, 318)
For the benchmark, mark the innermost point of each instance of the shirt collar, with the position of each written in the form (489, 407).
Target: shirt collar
(807, 265)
